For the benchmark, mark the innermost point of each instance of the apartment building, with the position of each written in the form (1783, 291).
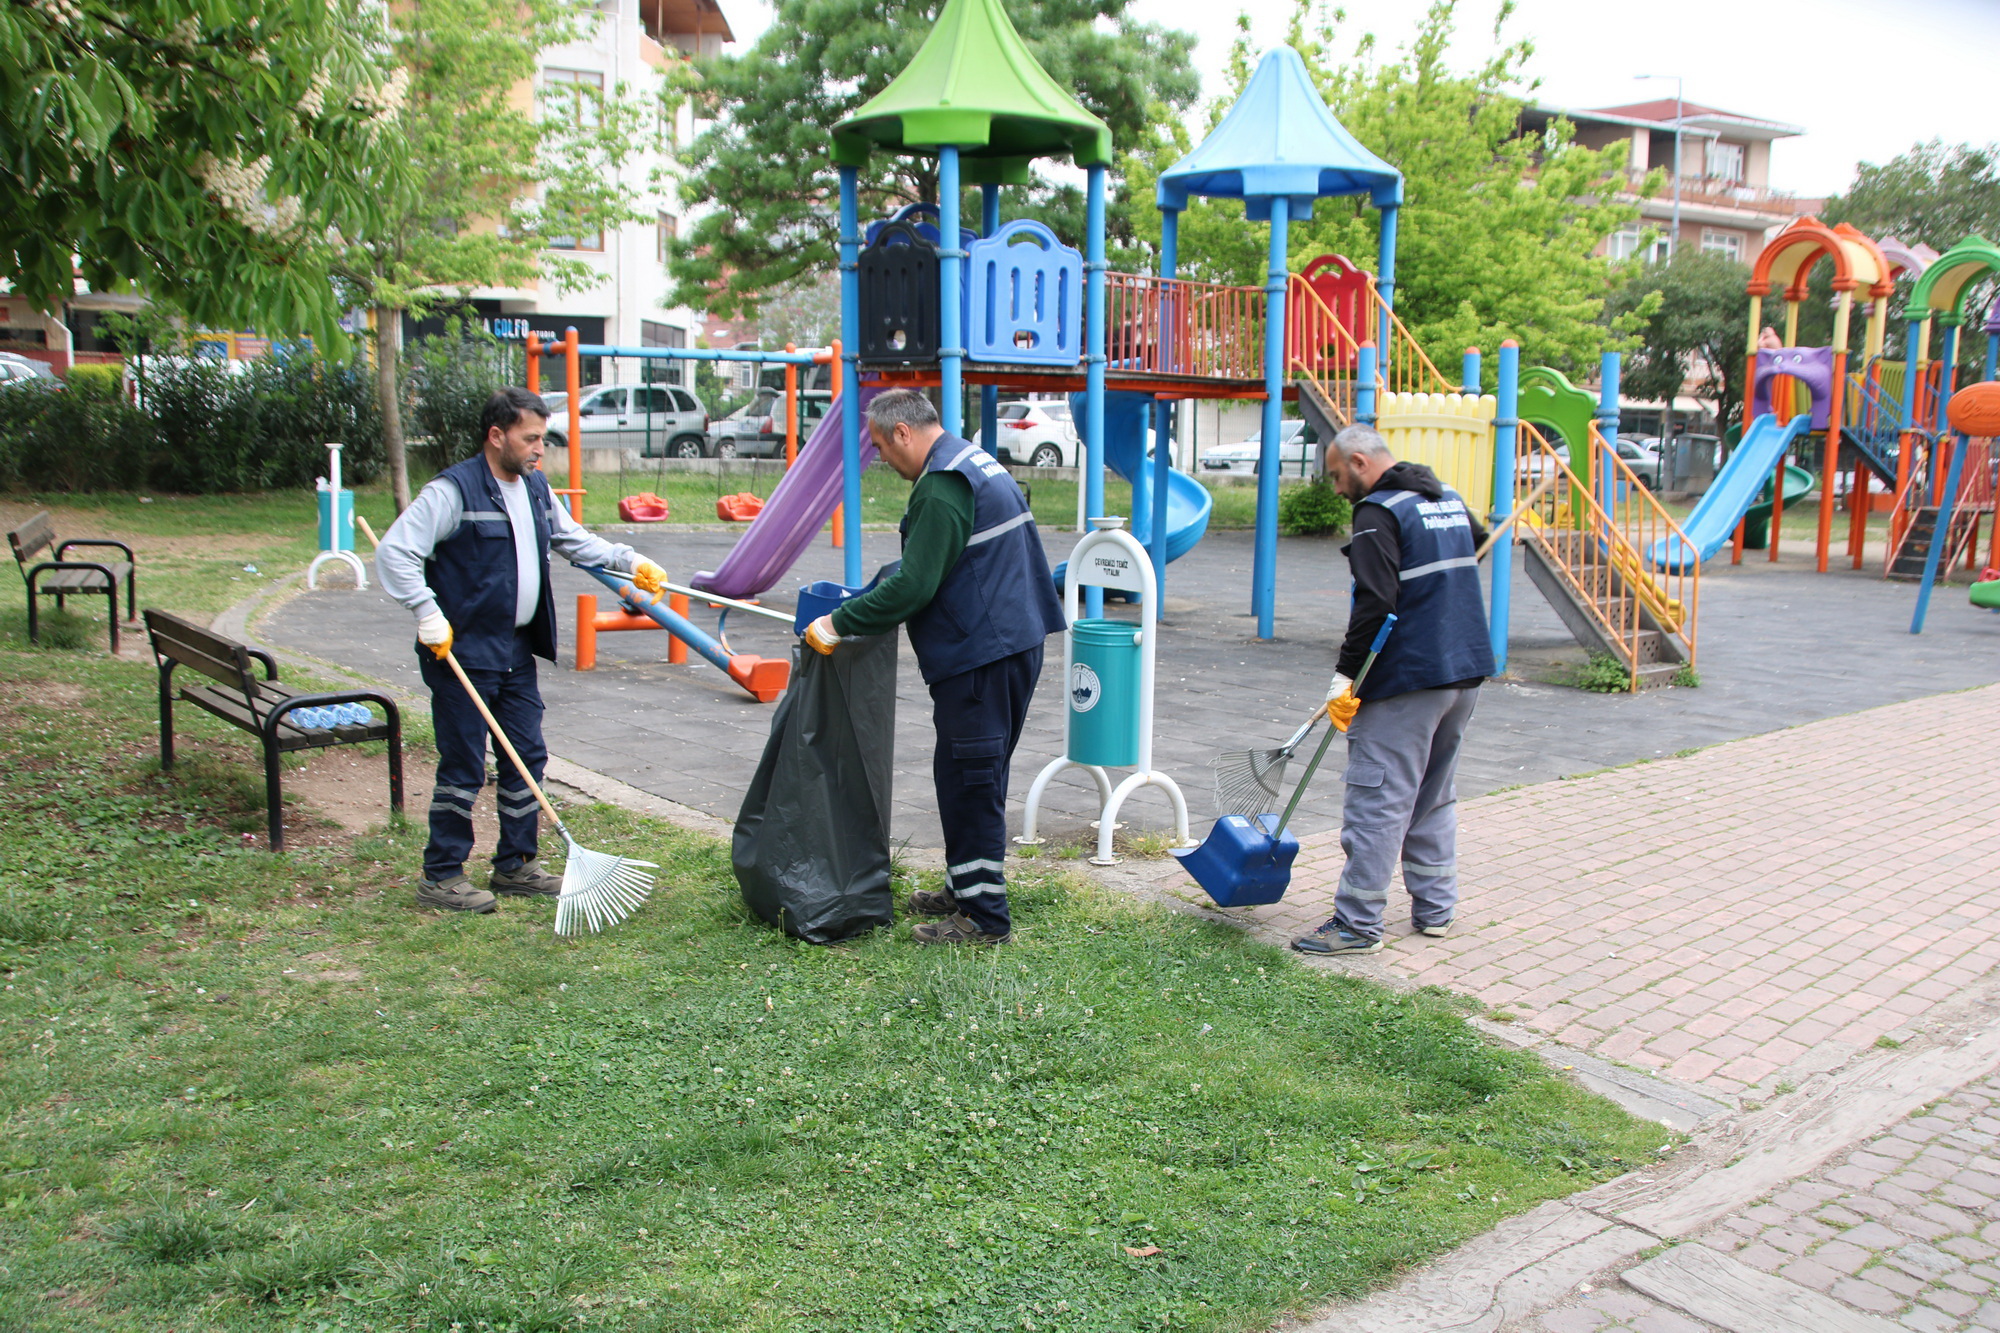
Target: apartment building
(1727, 205)
(633, 43)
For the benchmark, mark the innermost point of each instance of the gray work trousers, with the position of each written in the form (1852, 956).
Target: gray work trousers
(1402, 755)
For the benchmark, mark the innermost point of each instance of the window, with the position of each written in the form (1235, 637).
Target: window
(1629, 242)
(1728, 243)
(655, 400)
(610, 403)
(574, 95)
(594, 241)
(665, 230)
(684, 401)
(653, 333)
(1725, 162)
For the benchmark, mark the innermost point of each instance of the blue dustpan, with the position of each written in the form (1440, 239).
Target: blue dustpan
(1244, 861)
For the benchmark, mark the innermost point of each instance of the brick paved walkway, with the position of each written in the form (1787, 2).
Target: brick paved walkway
(1906, 1227)
(1757, 909)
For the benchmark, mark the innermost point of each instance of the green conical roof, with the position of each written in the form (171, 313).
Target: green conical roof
(975, 85)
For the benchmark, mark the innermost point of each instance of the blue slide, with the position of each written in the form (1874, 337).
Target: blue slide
(1127, 427)
(1731, 494)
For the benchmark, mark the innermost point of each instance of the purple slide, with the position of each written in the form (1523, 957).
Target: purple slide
(805, 498)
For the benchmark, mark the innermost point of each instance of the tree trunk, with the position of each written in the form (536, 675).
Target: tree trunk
(387, 322)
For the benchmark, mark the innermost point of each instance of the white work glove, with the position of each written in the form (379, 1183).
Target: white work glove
(647, 576)
(820, 635)
(1341, 705)
(434, 632)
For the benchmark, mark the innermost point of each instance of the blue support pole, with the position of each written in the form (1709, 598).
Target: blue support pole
(1506, 422)
(1992, 350)
(1163, 411)
(1607, 426)
(850, 378)
(989, 394)
(1911, 352)
(1935, 556)
(951, 282)
(1364, 385)
(1469, 377)
(1948, 356)
(1264, 561)
(1385, 275)
(1093, 381)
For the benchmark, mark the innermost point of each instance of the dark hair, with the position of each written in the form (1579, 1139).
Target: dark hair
(506, 408)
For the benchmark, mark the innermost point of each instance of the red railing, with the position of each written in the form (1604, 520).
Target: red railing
(1171, 326)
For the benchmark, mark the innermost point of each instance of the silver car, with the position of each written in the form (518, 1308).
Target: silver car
(653, 419)
(1298, 453)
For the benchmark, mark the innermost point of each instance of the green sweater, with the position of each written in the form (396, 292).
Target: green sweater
(940, 523)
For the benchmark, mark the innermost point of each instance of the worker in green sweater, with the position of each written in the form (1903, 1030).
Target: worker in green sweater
(975, 593)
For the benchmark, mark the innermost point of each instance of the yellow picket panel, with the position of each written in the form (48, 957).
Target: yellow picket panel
(1450, 433)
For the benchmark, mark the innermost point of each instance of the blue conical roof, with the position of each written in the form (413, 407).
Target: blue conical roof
(1279, 140)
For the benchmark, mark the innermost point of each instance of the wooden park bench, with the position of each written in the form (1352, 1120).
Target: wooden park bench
(261, 706)
(62, 578)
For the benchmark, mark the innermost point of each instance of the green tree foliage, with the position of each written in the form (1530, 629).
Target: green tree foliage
(195, 148)
(764, 164)
(1936, 194)
(1498, 229)
(1696, 309)
(489, 178)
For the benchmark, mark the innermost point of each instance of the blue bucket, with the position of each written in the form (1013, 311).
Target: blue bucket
(1241, 863)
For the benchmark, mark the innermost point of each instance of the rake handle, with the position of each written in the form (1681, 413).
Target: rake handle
(493, 725)
(1298, 792)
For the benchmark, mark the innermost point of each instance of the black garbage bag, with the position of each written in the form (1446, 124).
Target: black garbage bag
(811, 848)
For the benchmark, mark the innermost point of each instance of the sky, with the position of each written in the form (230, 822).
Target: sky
(1865, 79)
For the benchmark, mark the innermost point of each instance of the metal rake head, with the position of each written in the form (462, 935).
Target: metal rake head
(1247, 781)
(599, 890)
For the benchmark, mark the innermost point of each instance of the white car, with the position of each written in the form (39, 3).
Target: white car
(617, 417)
(1298, 453)
(1036, 434)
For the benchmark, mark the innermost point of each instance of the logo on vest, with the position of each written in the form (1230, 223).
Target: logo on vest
(1084, 688)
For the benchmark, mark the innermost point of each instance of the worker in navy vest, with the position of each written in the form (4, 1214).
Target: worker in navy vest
(1414, 553)
(975, 594)
(470, 559)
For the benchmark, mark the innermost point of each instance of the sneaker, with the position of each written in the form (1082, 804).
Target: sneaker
(955, 929)
(454, 893)
(1330, 938)
(526, 880)
(932, 902)
(1439, 931)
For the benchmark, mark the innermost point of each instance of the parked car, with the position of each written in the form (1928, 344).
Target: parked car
(1035, 433)
(657, 421)
(757, 429)
(1643, 457)
(1298, 453)
(18, 369)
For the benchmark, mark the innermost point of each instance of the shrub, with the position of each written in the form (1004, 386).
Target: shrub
(259, 425)
(97, 383)
(57, 440)
(1314, 509)
(1602, 674)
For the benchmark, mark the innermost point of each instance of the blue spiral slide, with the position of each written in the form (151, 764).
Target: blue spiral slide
(1126, 422)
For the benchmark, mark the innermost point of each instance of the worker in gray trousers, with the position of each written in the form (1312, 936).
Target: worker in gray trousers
(1414, 553)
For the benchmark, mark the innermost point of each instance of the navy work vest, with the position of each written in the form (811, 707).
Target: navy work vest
(473, 572)
(1441, 634)
(1000, 598)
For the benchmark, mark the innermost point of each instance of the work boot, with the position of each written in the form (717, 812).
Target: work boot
(453, 893)
(932, 902)
(1330, 938)
(1438, 931)
(526, 880)
(957, 928)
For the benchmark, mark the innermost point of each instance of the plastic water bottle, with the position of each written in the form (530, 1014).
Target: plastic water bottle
(356, 715)
(308, 719)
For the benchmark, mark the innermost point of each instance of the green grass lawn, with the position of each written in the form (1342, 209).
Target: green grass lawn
(240, 1091)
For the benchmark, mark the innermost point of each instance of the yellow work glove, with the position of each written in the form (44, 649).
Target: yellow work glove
(647, 576)
(434, 633)
(820, 635)
(1341, 704)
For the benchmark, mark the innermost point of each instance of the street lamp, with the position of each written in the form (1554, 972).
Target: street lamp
(1674, 240)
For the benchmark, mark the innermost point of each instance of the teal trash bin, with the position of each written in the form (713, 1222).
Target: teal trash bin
(1103, 689)
(336, 526)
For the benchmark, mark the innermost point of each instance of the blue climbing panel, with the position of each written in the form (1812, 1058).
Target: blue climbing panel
(1026, 291)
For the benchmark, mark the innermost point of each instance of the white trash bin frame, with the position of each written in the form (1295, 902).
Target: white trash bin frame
(1110, 557)
(351, 560)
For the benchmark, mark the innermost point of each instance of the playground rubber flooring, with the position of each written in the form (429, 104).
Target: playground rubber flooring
(1779, 645)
